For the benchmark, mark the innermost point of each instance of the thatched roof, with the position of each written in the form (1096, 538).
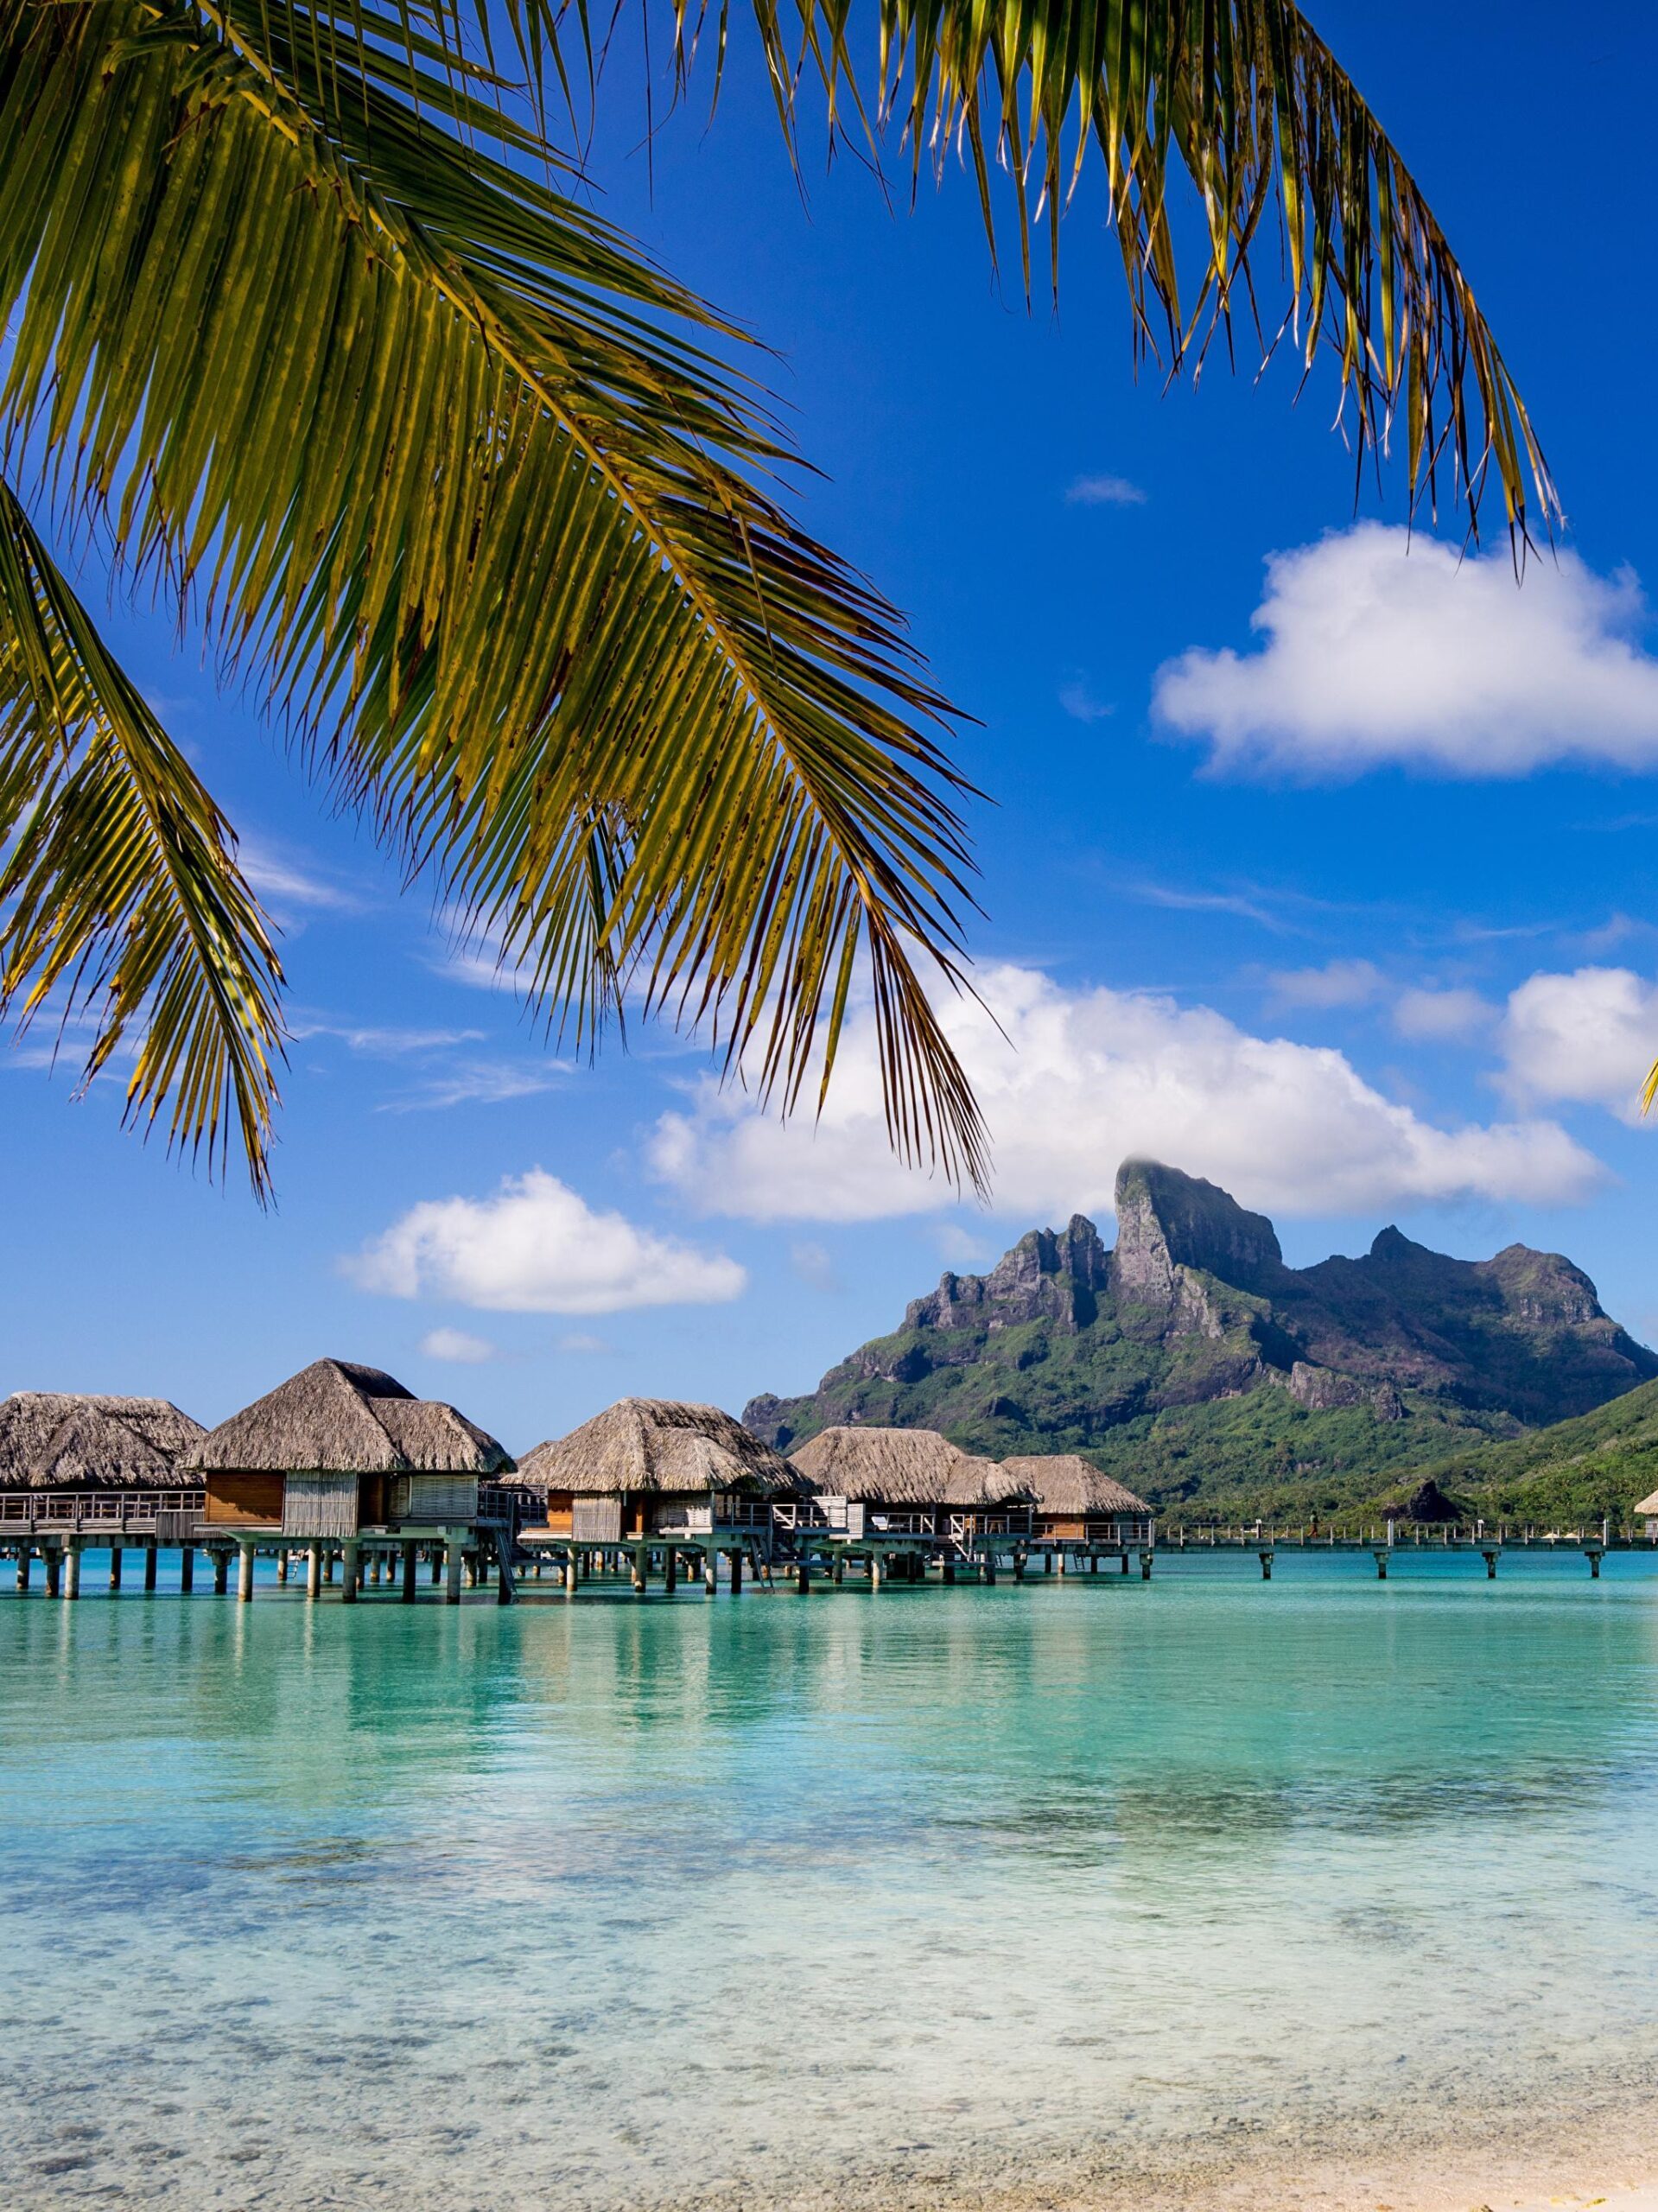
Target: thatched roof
(1062, 1482)
(1647, 1504)
(338, 1417)
(900, 1466)
(657, 1444)
(50, 1440)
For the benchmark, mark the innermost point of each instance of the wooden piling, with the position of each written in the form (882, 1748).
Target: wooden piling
(641, 1570)
(150, 1564)
(1491, 1565)
(1265, 1559)
(1593, 1558)
(669, 1572)
(1145, 1559)
(282, 1564)
(1125, 1558)
(1381, 1566)
(803, 1576)
(410, 1572)
(710, 1573)
(453, 1559)
(837, 1569)
(244, 1574)
(25, 1560)
(313, 1572)
(949, 1570)
(54, 1569)
(115, 1566)
(221, 1571)
(569, 1574)
(71, 1570)
(187, 1569)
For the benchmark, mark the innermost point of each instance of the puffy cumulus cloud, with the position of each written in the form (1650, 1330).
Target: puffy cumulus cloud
(1589, 1036)
(537, 1247)
(1080, 1080)
(457, 1346)
(1379, 646)
(1428, 1016)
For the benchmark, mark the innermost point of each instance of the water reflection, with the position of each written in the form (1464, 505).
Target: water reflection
(620, 1903)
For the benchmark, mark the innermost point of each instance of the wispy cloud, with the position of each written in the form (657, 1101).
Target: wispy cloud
(814, 1266)
(281, 881)
(458, 1347)
(1103, 492)
(580, 1345)
(385, 1044)
(1080, 703)
(478, 1082)
(1338, 984)
(1246, 908)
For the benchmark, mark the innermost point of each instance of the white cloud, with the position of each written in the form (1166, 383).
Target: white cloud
(1426, 1016)
(455, 1344)
(1103, 492)
(1086, 1077)
(1338, 982)
(1589, 1036)
(1383, 647)
(538, 1247)
(580, 1344)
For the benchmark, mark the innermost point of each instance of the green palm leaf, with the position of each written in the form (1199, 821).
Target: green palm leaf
(120, 900)
(1244, 98)
(446, 462)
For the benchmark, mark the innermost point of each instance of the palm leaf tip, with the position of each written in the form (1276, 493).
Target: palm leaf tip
(1246, 99)
(122, 908)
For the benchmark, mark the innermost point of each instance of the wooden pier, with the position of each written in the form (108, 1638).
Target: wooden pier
(493, 1558)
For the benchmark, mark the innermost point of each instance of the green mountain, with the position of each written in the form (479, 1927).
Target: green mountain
(1192, 1362)
(1577, 1472)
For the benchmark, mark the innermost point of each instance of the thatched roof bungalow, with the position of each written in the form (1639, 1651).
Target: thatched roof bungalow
(1075, 1503)
(907, 1482)
(1647, 1509)
(339, 1447)
(66, 1439)
(653, 1467)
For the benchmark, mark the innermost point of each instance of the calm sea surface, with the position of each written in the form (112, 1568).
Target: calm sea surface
(912, 1897)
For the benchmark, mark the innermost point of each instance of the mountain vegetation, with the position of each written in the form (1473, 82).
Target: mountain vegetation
(1191, 1362)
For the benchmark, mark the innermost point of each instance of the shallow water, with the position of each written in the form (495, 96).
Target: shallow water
(921, 1895)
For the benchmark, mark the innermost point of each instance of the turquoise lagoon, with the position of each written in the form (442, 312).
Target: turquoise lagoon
(1073, 1893)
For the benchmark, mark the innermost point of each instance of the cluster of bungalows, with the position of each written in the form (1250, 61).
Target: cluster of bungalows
(341, 1467)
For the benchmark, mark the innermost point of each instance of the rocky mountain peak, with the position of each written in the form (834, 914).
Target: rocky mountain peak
(1167, 1219)
(1049, 1274)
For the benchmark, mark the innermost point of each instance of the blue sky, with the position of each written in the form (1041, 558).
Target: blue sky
(1355, 920)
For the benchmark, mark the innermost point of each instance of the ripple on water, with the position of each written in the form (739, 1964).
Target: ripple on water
(1088, 1889)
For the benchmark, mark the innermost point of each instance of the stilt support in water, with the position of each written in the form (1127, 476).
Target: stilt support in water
(313, 1572)
(187, 1570)
(1265, 1567)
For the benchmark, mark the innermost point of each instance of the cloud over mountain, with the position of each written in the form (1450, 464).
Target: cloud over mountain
(1082, 1078)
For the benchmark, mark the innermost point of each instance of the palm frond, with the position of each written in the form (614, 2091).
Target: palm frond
(1246, 98)
(441, 456)
(121, 903)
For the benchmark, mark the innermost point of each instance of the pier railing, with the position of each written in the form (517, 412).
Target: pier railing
(1447, 1536)
(168, 1513)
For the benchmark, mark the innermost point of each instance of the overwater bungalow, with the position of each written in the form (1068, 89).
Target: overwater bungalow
(1647, 1511)
(1077, 1506)
(909, 1494)
(79, 1467)
(652, 1476)
(340, 1455)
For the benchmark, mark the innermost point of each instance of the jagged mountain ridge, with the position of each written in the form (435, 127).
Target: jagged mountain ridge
(1393, 1357)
